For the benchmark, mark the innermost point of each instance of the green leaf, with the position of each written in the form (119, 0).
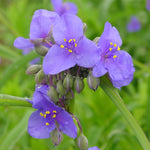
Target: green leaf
(8, 53)
(8, 100)
(16, 66)
(15, 134)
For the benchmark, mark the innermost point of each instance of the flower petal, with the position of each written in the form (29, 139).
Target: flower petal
(42, 23)
(121, 67)
(110, 34)
(70, 8)
(94, 148)
(118, 84)
(41, 101)
(56, 4)
(37, 126)
(66, 124)
(22, 43)
(86, 53)
(99, 69)
(57, 59)
(69, 27)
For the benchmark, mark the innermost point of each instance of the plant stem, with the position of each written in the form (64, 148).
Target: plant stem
(8, 100)
(108, 88)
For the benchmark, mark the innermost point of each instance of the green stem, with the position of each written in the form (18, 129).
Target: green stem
(108, 88)
(8, 100)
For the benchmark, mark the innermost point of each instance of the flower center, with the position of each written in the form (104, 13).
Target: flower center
(69, 45)
(49, 115)
(111, 49)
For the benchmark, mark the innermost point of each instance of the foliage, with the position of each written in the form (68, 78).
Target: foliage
(101, 121)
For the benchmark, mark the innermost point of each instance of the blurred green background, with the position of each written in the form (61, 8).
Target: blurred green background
(101, 121)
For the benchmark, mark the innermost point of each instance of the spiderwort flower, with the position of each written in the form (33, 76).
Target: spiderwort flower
(62, 8)
(117, 63)
(71, 47)
(49, 117)
(148, 5)
(94, 148)
(40, 27)
(134, 24)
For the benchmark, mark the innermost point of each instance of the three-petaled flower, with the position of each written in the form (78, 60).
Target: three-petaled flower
(117, 63)
(71, 47)
(134, 24)
(40, 27)
(49, 117)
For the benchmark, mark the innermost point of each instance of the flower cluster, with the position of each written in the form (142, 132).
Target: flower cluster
(69, 57)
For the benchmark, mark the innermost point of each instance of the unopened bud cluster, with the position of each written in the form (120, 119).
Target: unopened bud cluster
(63, 84)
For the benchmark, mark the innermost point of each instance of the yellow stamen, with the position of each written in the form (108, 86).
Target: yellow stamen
(70, 50)
(70, 40)
(75, 44)
(115, 45)
(44, 115)
(47, 112)
(41, 114)
(54, 116)
(62, 46)
(111, 43)
(54, 111)
(74, 40)
(110, 49)
(65, 40)
(47, 123)
(118, 48)
(115, 56)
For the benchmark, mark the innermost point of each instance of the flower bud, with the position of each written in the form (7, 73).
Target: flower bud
(53, 95)
(84, 27)
(82, 142)
(78, 84)
(41, 50)
(56, 136)
(37, 42)
(92, 81)
(69, 95)
(33, 69)
(68, 81)
(60, 88)
(96, 40)
(40, 77)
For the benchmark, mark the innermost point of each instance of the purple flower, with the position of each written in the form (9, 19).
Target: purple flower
(49, 117)
(40, 27)
(117, 63)
(148, 5)
(62, 8)
(134, 25)
(94, 148)
(71, 47)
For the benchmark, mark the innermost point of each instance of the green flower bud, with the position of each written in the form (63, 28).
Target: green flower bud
(53, 95)
(60, 88)
(92, 81)
(96, 40)
(68, 81)
(56, 136)
(41, 50)
(84, 27)
(40, 77)
(82, 142)
(69, 95)
(78, 84)
(33, 69)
